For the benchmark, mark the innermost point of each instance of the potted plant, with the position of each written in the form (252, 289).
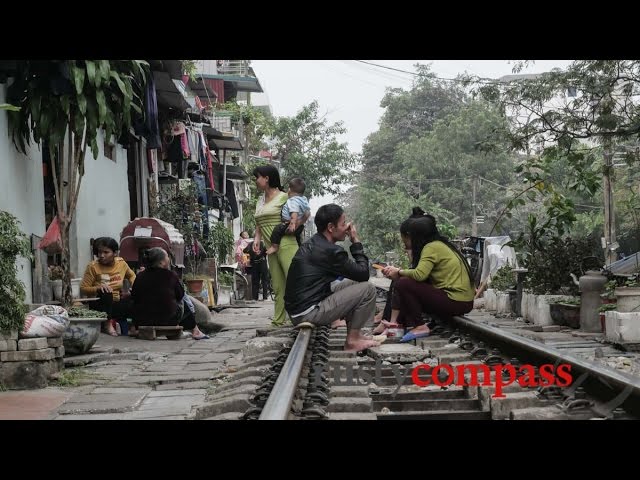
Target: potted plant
(83, 330)
(224, 288)
(182, 210)
(609, 294)
(628, 295)
(566, 312)
(56, 274)
(504, 282)
(13, 244)
(219, 246)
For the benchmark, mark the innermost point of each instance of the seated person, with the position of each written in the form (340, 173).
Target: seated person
(295, 212)
(158, 296)
(439, 281)
(104, 278)
(324, 284)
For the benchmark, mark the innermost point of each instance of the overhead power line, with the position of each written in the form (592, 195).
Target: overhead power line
(486, 81)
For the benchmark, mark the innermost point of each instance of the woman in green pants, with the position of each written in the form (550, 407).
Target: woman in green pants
(267, 216)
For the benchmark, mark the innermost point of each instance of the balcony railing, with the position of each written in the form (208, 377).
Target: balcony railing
(233, 67)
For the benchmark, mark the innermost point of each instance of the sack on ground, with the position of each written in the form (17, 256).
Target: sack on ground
(45, 321)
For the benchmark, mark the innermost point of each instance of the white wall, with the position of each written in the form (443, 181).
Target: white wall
(103, 204)
(208, 67)
(21, 189)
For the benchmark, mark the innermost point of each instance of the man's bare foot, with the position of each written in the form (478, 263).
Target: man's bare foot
(360, 345)
(272, 249)
(378, 318)
(338, 323)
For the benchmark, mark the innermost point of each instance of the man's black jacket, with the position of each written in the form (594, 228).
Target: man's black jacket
(317, 263)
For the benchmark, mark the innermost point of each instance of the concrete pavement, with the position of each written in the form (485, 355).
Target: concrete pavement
(124, 378)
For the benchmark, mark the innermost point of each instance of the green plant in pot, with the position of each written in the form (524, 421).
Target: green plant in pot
(504, 279)
(219, 244)
(83, 330)
(181, 209)
(607, 307)
(628, 295)
(56, 272)
(609, 295)
(13, 244)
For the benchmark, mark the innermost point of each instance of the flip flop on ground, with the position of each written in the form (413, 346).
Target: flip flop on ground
(412, 336)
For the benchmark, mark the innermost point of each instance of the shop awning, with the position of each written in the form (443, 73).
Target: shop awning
(242, 83)
(231, 143)
(235, 172)
(202, 90)
(168, 94)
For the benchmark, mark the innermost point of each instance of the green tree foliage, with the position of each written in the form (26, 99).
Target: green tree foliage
(409, 113)
(441, 163)
(431, 141)
(73, 99)
(307, 146)
(378, 213)
(627, 200)
(180, 208)
(588, 111)
(545, 111)
(13, 244)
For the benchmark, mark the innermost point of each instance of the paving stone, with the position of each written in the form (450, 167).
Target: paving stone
(233, 403)
(183, 385)
(225, 416)
(177, 392)
(197, 367)
(102, 403)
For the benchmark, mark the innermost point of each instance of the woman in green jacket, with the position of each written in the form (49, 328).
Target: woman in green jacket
(439, 281)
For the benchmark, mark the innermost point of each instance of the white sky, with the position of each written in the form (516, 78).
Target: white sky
(351, 91)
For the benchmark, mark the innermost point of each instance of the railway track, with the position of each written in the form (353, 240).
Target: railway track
(313, 379)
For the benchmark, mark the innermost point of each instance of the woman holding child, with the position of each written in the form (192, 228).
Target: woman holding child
(268, 217)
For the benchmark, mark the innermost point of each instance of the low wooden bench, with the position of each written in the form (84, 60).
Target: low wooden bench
(150, 332)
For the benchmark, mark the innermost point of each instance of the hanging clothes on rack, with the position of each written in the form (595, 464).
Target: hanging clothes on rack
(178, 151)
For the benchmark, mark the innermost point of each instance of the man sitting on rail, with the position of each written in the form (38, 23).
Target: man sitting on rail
(323, 283)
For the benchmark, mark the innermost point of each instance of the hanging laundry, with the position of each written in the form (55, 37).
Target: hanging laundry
(231, 195)
(148, 126)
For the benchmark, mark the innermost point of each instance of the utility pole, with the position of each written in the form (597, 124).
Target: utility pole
(609, 242)
(474, 219)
